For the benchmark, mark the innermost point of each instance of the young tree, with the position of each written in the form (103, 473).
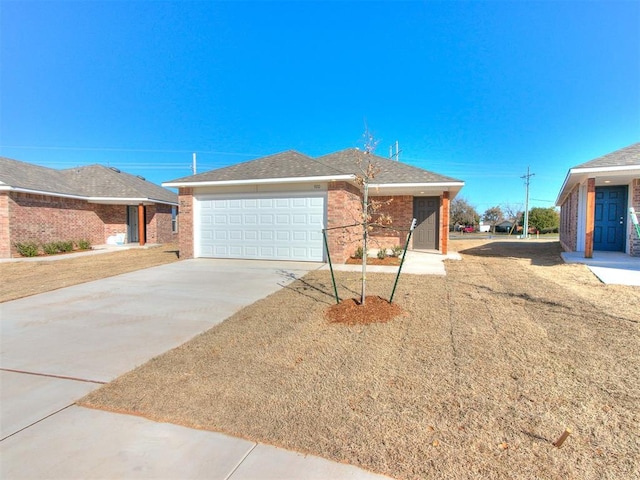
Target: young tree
(493, 215)
(370, 208)
(512, 213)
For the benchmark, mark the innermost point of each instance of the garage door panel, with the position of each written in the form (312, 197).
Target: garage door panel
(278, 228)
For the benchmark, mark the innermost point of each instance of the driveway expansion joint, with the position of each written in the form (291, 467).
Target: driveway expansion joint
(244, 457)
(50, 375)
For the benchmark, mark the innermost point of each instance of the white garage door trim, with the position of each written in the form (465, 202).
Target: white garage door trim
(262, 226)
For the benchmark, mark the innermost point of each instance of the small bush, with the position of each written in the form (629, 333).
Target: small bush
(358, 253)
(397, 250)
(84, 244)
(382, 253)
(50, 248)
(65, 247)
(27, 249)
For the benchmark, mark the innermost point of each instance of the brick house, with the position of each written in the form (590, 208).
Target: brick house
(276, 207)
(594, 204)
(94, 203)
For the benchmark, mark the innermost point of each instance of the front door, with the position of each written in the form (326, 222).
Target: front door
(426, 211)
(610, 219)
(132, 224)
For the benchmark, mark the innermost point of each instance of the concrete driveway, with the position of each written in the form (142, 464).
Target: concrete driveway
(57, 346)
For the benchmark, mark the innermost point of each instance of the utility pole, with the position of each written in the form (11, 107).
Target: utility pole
(527, 178)
(397, 154)
(193, 164)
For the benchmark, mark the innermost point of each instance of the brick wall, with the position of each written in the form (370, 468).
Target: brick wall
(634, 241)
(344, 207)
(569, 221)
(158, 220)
(444, 223)
(43, 219)
(400, 209)
(185, 222)
(5, 235)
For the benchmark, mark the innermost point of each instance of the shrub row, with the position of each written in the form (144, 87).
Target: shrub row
(382, 252)
(33, 249)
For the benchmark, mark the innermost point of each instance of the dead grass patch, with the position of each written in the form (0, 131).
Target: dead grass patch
(486, 370)
(25, 278)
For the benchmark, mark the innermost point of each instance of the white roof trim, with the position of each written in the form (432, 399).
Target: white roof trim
(416, 185)
(107, 200)
(620, 168)
(41, 192)
(259, 181)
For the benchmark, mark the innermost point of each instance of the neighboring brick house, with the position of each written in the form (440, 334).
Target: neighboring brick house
(594, 204)
(276, 207)
(94, 203)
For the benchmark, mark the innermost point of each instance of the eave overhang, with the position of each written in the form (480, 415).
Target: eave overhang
(102, 200)
(616, 175)
(259, 181)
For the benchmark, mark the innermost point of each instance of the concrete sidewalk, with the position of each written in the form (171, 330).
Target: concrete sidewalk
(57, 346)
(616, 268)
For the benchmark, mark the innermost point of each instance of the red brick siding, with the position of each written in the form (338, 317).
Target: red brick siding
(634, 242)
(28, 217)
(344, 207)
(444, 223)
(5, 233)
(185, 222)
(42, 219)
(569, 221)
(400, 209)
(158, 220)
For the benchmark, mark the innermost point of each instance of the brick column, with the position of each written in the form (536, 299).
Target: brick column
(444, 224)
(5, 234)
(185, 222)
(590, 220)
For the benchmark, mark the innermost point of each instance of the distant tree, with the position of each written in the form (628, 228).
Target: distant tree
(461, 212)
(492, 216)
(544, 219)
(513, 214)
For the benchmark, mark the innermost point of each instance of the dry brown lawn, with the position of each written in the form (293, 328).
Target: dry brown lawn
(25, 278)
(485, 369)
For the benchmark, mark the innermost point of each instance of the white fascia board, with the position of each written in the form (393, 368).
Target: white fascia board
(620, 168)
(40, 192)
(416, 185)
(561, 194)
(107, 200)
(127, 201)
(259, 181)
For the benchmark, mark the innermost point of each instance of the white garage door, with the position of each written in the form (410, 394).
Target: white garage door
(264, 226)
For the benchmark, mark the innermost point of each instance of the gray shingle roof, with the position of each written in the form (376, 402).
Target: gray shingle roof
(289, 164)
(94, 181)
(628, 156)
(292, 164)
(389, 171)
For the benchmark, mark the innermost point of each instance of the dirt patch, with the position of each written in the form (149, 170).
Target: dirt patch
(486, 370)
(352, 312)
(24, 278)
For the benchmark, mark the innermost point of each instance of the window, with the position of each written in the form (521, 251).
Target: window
(174, 219)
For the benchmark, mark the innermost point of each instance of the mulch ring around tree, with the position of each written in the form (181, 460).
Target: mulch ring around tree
(374, 261)
(351, 312)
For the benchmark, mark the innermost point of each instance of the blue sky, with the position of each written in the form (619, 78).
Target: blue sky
(474, 90)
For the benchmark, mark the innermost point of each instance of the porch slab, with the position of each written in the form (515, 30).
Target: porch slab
(614, 268)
